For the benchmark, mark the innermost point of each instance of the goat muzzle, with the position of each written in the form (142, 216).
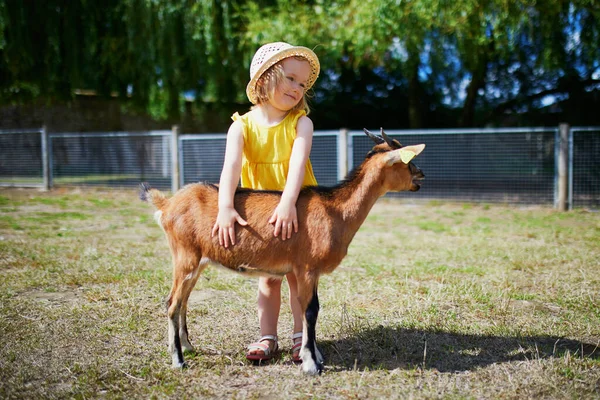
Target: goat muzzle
(417, 177)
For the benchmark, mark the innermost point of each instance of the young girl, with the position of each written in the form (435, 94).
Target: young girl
(269, 148)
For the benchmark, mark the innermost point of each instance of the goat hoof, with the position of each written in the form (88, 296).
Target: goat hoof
(181, 366)
(314, 369)
(188, 350)
(186, 346)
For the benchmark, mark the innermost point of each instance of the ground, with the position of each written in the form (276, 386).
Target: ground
(434, 300)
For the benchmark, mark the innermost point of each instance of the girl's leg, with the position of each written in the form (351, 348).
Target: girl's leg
(297, 315)
(294, 304)
(269, 303)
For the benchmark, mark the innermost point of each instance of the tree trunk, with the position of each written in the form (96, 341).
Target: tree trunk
(467, 118)
(173, 104)
(415, 117)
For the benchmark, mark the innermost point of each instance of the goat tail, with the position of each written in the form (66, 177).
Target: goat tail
(156, 197)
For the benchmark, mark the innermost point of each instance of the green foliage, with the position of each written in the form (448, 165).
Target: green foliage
(418, 59)
(429, 50)
(148, 52)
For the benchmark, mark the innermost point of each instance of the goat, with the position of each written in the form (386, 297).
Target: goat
(328, 219)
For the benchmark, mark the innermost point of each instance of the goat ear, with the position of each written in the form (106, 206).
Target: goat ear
(404, 154)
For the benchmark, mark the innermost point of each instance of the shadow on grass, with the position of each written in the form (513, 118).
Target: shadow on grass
(391, 348)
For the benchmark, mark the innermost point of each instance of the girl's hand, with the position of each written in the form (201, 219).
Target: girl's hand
(225, 226)
(285, 220)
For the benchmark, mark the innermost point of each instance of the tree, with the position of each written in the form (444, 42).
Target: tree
(482, 57)
(146, 52)
(412, 63)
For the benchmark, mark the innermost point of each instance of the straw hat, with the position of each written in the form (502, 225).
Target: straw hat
(270, 54)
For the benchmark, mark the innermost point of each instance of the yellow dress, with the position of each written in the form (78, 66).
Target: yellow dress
(267, 153)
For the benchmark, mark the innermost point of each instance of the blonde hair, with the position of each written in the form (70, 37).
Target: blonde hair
(268, 82)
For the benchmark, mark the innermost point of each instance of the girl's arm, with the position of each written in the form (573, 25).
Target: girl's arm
(285, 217)
(230, 176)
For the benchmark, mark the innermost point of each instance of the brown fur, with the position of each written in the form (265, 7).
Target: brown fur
(328, 219)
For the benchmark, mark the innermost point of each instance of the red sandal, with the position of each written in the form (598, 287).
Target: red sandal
(267, 353)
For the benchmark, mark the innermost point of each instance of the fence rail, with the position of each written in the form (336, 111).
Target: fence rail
(511, 165)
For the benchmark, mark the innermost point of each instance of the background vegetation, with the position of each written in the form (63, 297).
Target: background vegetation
(434, 300)
(415, 63)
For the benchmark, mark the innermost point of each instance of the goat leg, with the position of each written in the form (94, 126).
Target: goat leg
(183, 331)
(173, 312)
(312, 360)
(186, 288)
(186, 272)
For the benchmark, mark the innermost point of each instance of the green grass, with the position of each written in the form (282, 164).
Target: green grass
(435, 300)
(73, 180)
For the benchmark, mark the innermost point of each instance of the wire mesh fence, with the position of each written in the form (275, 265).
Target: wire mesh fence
(493, 165)
(585, 167)
(118, 159)
(517, 165)
(325, 158)
(21, 158)
(202, 157)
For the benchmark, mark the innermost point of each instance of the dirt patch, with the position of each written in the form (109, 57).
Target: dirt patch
(52, 297)
(535, 305)
(200, 296)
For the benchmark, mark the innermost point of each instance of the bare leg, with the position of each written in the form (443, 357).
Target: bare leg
(294, 304)
(297, 316)
(269, 303)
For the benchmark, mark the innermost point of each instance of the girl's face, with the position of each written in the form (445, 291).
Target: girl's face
(289, 92)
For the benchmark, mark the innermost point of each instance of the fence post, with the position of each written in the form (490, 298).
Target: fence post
(174, 158)
(165, 141)
(342, 151)
(563, 170)
(46, 159)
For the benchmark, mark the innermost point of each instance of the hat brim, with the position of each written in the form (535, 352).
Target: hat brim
(295, 51)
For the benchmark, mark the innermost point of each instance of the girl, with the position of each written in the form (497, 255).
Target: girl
(269, 148)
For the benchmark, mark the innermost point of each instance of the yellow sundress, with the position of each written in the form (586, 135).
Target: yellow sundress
(267, 153)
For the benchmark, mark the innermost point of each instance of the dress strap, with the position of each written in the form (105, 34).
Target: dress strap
(296, 116)
(236, 116)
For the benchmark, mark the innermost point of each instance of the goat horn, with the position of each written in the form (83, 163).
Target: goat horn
(388, 140)
(375, 138)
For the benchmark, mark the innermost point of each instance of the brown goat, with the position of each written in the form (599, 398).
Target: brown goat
(328, 219)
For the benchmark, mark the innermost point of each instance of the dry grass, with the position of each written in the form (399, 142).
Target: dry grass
(433, 301)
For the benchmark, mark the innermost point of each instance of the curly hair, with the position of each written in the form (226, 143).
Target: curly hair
(268, 82)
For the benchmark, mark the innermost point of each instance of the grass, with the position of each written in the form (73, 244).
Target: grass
(434, 300)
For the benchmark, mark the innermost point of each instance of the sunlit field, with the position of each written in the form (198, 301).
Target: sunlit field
(433, 300)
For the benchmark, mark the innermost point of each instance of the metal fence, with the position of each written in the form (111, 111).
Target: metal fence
(118, 159)
(584, 167)
(202, 157)
(517, 166)
(490, 165)
(21, 157)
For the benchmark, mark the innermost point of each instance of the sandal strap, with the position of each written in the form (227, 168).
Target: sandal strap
(296, 345)
(265, 348)
(297, 335)
(260, 346)
(268, 337)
